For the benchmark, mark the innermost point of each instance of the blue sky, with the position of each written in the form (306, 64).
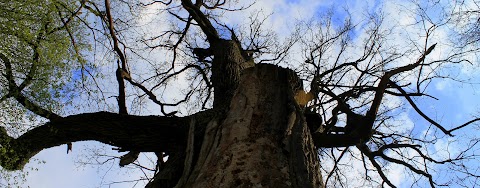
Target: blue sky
(457, 102)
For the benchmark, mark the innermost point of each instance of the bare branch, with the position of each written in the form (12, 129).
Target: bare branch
(385, 80)
(123, 68)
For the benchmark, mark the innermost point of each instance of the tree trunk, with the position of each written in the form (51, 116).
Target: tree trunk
(262, 141)
(254, 136)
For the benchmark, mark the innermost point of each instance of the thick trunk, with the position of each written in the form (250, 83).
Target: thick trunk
(262, 141)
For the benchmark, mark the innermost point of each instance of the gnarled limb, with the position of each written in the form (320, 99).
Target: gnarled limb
(385, 80)
(139, 133)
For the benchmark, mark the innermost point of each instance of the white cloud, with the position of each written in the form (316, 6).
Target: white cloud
(442, 85)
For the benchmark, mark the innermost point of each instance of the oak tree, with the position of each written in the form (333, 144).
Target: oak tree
(249, 121)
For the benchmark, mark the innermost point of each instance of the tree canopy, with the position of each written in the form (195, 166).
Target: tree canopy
(157, 76)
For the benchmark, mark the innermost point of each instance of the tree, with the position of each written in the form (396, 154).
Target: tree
(467, 18)
(260, 128)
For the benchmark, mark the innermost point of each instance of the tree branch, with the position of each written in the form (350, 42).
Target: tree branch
(15, 92)
(420, 111)
(121, 84)
(141, 133)
(366, 151)
(385, 80)
(201, 19)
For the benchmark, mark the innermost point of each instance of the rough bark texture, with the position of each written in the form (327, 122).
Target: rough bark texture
(227, 65)
(262, 141)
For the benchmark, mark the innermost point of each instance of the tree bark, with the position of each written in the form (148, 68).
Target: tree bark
(262, 140)
(128, 132)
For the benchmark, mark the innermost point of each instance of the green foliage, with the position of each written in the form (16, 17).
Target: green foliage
(17, 178)
(43, 40)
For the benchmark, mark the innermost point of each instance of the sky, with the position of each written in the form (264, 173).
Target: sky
(457, 103)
